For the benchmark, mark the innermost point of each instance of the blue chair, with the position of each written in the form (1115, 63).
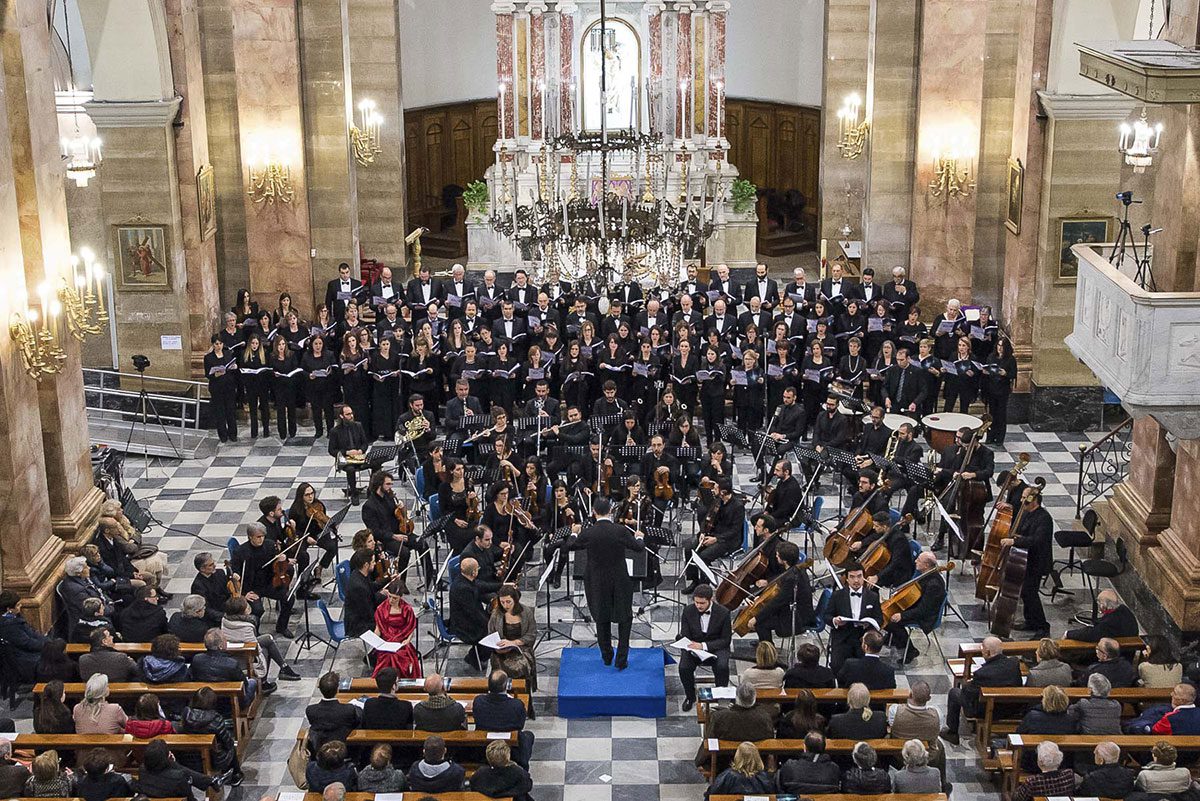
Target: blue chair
(746, 543)
(419, 481)
(232, 546)
(931, 636)
(549, 495)
(893, 516)
(453, 567)
(435, 508)
(335, 628)
(443, 638)
(343, 573)
(819, 614)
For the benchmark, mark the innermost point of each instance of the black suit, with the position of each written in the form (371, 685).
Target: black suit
(904, 388)
(519, 328)
(468, 618)
(1035, 533)
(899, 302)
(457, 409)
(1118, 623)
(808, 293)
(851, 726)
(790, 423)
(924, 613)
(397, 296)
(468, 291)
(778, 614)
(609, 587)
(869, 670)
(345, 437)
(785, 501)
(999, 671)
(330, 719)
(416, 298)
(1119, 672)
(716, 641)
(387, 712)
(845, 641)
(362, 598)
(752, 290)
(845, 291)
(337, 305)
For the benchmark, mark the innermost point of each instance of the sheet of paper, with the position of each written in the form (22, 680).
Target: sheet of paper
(704, 568)
(389, 797)
(629, 566)
(291, 797)
(714, 744)
(377, 643)
(491, 641)
(724, 693)
(684, 644)
(497, 735)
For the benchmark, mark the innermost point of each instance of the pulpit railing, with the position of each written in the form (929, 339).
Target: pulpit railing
(1103, 465)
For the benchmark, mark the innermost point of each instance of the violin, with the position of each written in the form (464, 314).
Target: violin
(908, 593)
(606, 474)
(662, 483)
(234, 584)
(317, 513)
(473, 513)
(282, 572)
(383, 567)
(403, 521)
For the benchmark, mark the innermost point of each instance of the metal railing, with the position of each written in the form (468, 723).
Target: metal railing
(1103, 465)
(117, 395)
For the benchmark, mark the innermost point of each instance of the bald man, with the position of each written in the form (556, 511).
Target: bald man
(468, 618)
(1116, 620)
(997, 670)
(924, 613)
(1183, 718)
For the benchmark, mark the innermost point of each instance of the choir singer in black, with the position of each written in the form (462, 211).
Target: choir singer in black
(707, 624)
(607, 584)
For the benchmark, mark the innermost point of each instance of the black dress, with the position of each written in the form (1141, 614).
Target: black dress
(385, 394)
(285, 383)
(454, 507)
(356, 387)
(256, 381)
(321, 387)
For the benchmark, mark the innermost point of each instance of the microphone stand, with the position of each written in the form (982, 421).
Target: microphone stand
(763, 446)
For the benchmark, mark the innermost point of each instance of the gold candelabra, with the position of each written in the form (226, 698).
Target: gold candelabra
(36, 333)
(270, 174)
(952, 177)
(83, 303)
(852, 134)
(365, 136)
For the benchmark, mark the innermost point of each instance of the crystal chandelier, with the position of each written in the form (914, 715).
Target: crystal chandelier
(602, 229)
(80, 152)
(1139, 142)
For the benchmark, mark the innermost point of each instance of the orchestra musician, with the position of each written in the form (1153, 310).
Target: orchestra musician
(308, 518)
(925, 612)
(559, 514)
(379, 515)
(865, 494)
(791, 610)
(463, 404)
(907, 450)
(1034, 533)
(348, 445)
(456, 496)
(212, 584)
(900, 565)
(721, 533)
(789, 425)
(784, 499)
(416, 409)
(486, 552)
(608, 585)
(254, 561)
(609, 404)
(764, 526)
(574, 432)
(950, 467)
(541, 404)
(510, 524)
(656, 458)
(709, 627)
(363, 593)
(716, 468)
(850, 606)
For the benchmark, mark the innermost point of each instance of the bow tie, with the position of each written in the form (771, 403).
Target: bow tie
(837, 282)
(856, 595)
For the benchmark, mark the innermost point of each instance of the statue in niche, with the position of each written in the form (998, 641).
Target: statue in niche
(618, 49)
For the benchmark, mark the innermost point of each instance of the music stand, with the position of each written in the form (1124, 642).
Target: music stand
(732, 434)
(551, 631)
(308, 639)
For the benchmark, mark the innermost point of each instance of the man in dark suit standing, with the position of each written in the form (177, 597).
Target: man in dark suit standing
(707, 624)
(904, 386)
(522, 292)
(756, 315)
(849, 608)
(363, 594)
(800, 290)
(1035, 533)
(868, 669)
(836, 289)
(629, 292)
(1116, 620)
(728, 288)
(422, 291)
(997, 670)
(383, 291)
(340, 290)
(608, 585)
(867, 290)
(764, 288)
(468, 619)
(900, 294)
(461, 287)
(509, 326)
(925, 612)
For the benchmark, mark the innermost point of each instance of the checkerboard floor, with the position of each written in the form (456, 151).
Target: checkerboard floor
(596, 760)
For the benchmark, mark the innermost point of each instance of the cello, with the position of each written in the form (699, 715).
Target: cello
(856, 525)
(741, 623)
(907, 594)
(876, 557)
(738, 584)
(1002, 524)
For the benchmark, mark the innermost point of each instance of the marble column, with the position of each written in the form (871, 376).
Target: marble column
(505, 22)
(29, 553)
(568, 97)
(375, 74)
(329, 106)
(1173, 569)
(38, 175)
(269, 126)
(717, 18)
(949, 117)
(847, 45)
(1029, 147)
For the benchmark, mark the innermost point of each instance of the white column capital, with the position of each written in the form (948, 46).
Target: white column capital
(1108, 106)
(718, 6)
(567, 6)
(537, 7)
(500, 7)
(133, 114)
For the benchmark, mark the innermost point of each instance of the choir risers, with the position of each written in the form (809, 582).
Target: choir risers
(114, 430)
(1144, 346)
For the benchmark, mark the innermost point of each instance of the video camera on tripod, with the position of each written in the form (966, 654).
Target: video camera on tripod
(1126, 242)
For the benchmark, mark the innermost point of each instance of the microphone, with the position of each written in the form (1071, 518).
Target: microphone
(778, 409)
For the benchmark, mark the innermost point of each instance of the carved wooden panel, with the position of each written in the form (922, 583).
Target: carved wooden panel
(777, 146)
(462, 148)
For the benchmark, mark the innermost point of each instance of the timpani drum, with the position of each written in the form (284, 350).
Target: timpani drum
(894, 421)
(941, 428)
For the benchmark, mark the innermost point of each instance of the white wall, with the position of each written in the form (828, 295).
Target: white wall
(773, 51)
(1092, 21)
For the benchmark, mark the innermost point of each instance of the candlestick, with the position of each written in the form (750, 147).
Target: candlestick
(633, 100)
(624, 216)
(720, 91)
(502, 91)
(824, 245)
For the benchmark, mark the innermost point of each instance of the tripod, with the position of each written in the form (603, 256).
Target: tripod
(308, 639)
(146, 406)
(1126, 241)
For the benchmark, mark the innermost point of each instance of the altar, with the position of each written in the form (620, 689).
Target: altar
(662, 66)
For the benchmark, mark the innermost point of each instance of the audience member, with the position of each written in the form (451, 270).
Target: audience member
(148, 720)
(1097, 714)
(215, 664)
(1114, 667)
(190, 623)
(866, 777)
(201, 716)
(91, 615)
(997, 670)
(380, 775)
(1162, 776)
(105, 658)
(331, 765)
(1183, 718)
(868, 669)
(164, 664)
(811, 773)
(51, 715)
(13, 774)
(49, 779)
(860, 722)
(1160, 666)
(808, 671)
(1050, 669)
(1108, 778)
(744, 720)
(766, 673)
(917, 775)
(386, 711)
(1050, 716)
(23, 644)
(54, 662)
(98, 781)
(501, 777)
(434, 773)
(438, 712)
(1116, 620)
(802, 718)
(496, 710)
(94, 714)
(144, 619)
(330, 719)
(162, 777)
(746, 776)
(239, 625)
(1051, 780)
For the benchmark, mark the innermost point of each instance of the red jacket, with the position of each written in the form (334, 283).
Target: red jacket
(148, 729)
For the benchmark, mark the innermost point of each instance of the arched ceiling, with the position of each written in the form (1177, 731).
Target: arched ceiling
(118, 47)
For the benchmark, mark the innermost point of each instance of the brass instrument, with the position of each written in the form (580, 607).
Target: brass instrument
(893, 442)
(414, 429)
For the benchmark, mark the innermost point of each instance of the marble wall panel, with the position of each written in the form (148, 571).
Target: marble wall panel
(847, 26)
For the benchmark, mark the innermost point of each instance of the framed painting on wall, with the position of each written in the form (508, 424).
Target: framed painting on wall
(206, 201)
(1016, 194)
(1078, 231)
(141, 256)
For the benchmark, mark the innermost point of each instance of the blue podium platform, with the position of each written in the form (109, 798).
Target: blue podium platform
(588, 688)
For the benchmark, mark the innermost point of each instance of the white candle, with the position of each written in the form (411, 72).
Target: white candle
(624, 216)
(720, 90)
(502, 90)
(633, 101)
(824, 244)
(682, 106)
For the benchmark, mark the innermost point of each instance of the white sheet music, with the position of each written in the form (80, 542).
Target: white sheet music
(377, 643)
(683, 644)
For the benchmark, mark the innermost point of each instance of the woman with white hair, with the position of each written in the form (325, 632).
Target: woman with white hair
(866, 777)
(146, 559)
(94, 714)
(1051, 780)
(77, 587)
(1098, 714)
(917, 776)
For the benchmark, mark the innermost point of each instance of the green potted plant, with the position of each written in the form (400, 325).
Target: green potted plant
(475, 197)
(744, 194)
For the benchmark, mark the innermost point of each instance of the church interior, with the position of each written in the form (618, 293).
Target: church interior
(365, 363)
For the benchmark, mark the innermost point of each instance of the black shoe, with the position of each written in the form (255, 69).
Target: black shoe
(1040, 634)
(287, 634)
(269, 687)
(938, 544)
(622, 662)
(949, 736)
(1024, 626)
(287, 674)
(687, 704)
(307, 595)
(236, 779)
(607, 657)
(164, 595)
(913, 653)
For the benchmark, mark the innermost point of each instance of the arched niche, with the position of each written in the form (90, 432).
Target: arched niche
(620, 44)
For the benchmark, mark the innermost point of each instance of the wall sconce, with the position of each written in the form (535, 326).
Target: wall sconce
(1139, 142)
(270, 174)
(852, 134)
(83, 302)
(953, 153)
(364, 137)
(36, 333)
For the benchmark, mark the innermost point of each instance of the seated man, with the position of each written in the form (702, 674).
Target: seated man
(1109, 778)
(496, 710)
(212, 584)
(501, 777)
(997, 670)
(924, 613)
(744, 720)
(1183, 718)
(900, 565)
(433, 773)
(348, 445)
(808, 672)
(812, 772)
(485, 554)
(329, 719)
(1116, 620)
(386, 711)
(1114, 667)
(868, 669)
(144, 619)
(1052, 780)
(104, 658)
(468, 618)
(190, 623)
(21, 641)
(215, 665)
(707, 624)
(438, 712)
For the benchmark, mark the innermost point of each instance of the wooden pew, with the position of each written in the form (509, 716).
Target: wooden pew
(79, 743)
(410, 796)
(786, 696)
(1027, 649)
(1007, 697)
(410, 740)
(247, 652)
(773, 749)
(458, 686)
(231, 690)
(821, 797)
(1085, 743)
(466, 699)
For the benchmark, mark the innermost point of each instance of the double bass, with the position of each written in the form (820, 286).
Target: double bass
(1014, 562)
(967, 497)
(741, 623)
(856, 525)
(1002, 524)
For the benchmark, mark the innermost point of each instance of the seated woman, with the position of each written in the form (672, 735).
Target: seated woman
(1050, 669)
(23, 644)
(164, 664)
(240, 626)
(766, 673)
(331, 765)
(514, 622)
(94, 714)
(1097, 714)
(380, 775)
(395, 622)
(802, 718)
(201, 716)
(917, 775)
(148, 720)
(92, 616)
(52, 715)
(1161, 777)
(55, 664)
(501, 777)
(1048, 717)
(866, 777)
(146, 559)
(1159, 666)
(49, 779)
(746, 776)
(861, 722)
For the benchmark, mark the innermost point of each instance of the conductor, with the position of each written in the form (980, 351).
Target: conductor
(607, 584)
